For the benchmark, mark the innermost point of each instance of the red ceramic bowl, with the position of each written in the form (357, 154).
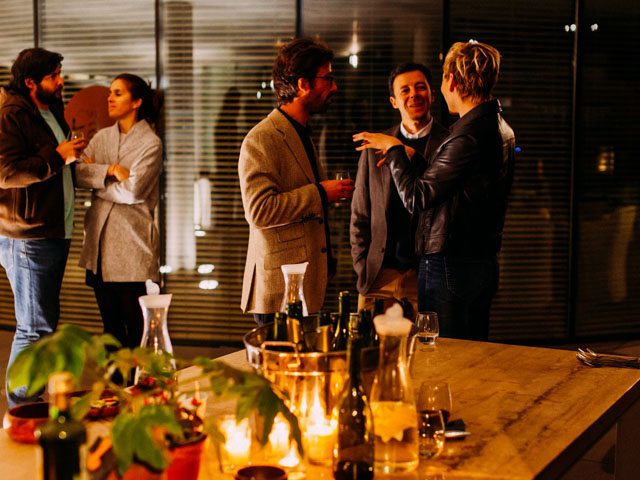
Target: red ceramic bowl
(24, 419)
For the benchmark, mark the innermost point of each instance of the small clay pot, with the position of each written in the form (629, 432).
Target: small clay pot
(23, 420)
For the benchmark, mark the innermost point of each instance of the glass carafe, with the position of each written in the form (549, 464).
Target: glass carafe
(392, 402)
(155, 335)
(294, 286)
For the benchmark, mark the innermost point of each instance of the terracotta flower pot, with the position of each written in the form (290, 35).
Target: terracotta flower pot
(22, 421)
(138, 472)
(185, 461)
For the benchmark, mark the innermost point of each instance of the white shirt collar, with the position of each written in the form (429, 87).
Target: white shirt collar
(421, 133)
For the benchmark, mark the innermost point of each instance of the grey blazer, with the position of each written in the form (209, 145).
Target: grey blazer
(368, 230)
(119, 224)
(284, 210)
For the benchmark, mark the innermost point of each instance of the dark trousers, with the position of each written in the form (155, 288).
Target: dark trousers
(460, 290)
(120, 310)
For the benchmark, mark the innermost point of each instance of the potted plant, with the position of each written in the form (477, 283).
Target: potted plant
(154, 416)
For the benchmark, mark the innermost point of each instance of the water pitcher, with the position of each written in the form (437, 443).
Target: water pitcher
(293, 286)
(392, 400)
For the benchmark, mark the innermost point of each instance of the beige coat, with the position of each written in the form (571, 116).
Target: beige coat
(286, 220)
(119, 224)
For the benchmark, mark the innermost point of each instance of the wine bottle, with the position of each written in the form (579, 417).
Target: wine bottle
(325, 319)
(354, 452)
(341, 332)
(280, 327)
(366, 330)
(62, 438)
(378, 307)
(295, 333)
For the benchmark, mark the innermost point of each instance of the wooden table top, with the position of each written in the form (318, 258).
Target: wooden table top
(532, 412)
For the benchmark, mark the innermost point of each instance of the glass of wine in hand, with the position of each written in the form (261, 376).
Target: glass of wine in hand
(434, 410)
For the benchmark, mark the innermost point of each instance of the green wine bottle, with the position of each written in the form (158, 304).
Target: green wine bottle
(294, 325)
(354, 451)
(280, 327)
(62, 438)
(341, 331)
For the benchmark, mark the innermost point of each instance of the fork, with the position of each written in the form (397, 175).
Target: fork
(603, 360)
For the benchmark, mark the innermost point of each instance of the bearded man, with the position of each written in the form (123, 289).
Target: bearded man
(36, 196)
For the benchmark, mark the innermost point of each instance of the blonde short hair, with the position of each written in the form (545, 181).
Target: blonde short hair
(475, 67)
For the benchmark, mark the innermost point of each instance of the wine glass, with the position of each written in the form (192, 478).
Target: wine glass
(427, 327)
(431, 433)
(434, 409)
(342, 175)
(76, 134)
(435, 396)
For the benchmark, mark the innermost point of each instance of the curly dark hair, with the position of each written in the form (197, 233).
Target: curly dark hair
(299, 58)
(33, 63)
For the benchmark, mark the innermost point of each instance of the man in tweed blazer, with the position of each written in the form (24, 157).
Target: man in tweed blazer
(284, 189)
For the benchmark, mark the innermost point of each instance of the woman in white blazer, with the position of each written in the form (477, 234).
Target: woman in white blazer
(122, 165)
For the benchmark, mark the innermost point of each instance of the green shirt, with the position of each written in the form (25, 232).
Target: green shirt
(67, 179)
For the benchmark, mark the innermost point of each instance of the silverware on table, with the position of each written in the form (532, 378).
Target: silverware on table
(589, 357)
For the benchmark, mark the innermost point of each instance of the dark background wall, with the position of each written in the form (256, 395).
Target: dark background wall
(568, 86)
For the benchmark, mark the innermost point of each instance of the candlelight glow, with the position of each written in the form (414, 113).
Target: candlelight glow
(235, 451)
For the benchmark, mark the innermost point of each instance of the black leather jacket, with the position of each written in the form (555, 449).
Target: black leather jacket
(461, 197)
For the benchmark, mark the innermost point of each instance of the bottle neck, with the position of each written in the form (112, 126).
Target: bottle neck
(353, 359)
(60, 406)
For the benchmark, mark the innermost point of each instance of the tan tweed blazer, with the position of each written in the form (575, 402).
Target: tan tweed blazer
(285, 215)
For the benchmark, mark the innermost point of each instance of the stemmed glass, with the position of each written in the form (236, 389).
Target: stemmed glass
(427, 327)
(434, 409)
(341, 175)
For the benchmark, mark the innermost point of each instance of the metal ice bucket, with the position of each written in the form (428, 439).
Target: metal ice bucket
(299, 373)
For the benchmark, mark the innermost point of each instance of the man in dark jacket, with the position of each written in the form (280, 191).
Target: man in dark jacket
(381, 228)
(461, 197)
(36, 195)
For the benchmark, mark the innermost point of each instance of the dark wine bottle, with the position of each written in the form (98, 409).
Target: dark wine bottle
(325, 319)
(280, 327)
(295, 332)
(378, 307)
(62, 438)
(354, 453)
(366, 330)
(341, 332)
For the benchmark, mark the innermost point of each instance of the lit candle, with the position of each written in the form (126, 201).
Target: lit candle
(319, 433)
(281, 450)
(235, 451)
(320, 439)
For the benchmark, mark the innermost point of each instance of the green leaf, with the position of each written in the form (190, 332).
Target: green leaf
(122, 438)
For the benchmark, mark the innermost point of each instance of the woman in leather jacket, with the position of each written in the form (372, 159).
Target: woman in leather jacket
(461, 197)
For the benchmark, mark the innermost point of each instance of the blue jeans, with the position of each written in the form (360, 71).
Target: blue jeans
(35, 269)
(460, 290)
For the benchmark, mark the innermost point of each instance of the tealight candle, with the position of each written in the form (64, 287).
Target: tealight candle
(282, 451)
(320, 438)
(235, 451)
